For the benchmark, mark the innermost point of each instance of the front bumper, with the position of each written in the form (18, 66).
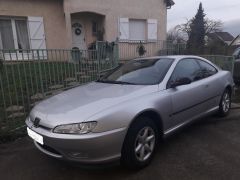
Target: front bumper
(88, 148)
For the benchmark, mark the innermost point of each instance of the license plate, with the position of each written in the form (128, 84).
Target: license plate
(35, 136)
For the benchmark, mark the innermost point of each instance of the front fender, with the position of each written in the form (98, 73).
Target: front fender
(121, 115)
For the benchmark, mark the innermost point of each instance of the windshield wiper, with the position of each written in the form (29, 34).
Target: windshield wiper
(114, 82)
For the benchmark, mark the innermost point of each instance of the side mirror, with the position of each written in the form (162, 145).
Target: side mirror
(180, 82)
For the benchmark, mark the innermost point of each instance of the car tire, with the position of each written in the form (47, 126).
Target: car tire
(225, 103)
(140, 143)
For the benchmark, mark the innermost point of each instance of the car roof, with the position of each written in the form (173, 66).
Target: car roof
(176, 57)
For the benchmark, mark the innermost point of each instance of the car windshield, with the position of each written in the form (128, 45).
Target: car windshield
(139, 72)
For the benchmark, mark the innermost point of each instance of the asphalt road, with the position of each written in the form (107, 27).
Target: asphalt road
(208, 149)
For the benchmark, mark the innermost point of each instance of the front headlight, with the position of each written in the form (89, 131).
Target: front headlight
(81, 128)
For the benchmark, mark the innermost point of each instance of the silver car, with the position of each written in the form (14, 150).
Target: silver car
(125, 113)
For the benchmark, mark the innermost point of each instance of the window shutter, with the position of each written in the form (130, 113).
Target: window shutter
(124, 28)
(36, 32)
(37, 36)
(152, 29)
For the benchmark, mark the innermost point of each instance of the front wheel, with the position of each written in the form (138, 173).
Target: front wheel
(225, 103)
(140, 143)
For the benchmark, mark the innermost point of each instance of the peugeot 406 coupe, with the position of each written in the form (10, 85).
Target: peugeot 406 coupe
(123, 115)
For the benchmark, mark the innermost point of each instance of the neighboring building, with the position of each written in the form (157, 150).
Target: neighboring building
(223, 37)
(57, 24)
(236, 41)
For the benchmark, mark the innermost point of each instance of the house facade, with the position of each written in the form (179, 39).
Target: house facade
(67, 24)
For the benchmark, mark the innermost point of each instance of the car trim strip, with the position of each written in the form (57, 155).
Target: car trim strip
(185, 109)
(169, 131)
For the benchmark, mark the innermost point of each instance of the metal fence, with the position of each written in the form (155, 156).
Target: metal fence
(29, 76)
(224, 62)
(133, 49)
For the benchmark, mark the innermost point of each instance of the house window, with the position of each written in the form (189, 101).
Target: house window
(6, 35)
(22, 34)
(137, 29)
(14, 33)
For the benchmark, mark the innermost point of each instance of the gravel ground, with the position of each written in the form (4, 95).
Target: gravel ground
(207, 149)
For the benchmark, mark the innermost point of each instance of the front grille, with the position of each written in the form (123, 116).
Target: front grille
(49, 149)
(39, 126)
(44, 127)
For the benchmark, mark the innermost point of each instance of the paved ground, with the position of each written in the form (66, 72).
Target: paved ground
(209, 149)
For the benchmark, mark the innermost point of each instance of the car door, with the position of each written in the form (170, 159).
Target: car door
(187, 100)
(211, 83)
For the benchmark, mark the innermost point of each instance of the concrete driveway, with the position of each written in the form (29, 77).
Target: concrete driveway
(209, 149)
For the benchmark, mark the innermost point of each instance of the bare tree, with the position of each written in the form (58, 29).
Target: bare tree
(176, 35)
(213, 26)
(210, 26)
(185, 27)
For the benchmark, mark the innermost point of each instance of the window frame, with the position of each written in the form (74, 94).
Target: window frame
(196, 60)
(169, 80)
(216, 70)
(16, 53)
(151, 30)
(14, 29)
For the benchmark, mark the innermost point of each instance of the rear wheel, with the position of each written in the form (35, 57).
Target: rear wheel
(225, 103)
(140, 143)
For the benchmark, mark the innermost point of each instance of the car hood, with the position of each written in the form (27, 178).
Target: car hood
(79, 104)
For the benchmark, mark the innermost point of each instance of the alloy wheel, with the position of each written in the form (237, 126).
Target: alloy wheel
(226, 102)
(144, 144)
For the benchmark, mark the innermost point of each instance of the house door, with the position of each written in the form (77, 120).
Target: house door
(78, 35)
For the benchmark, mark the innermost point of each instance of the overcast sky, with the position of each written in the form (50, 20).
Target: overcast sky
(227, 11)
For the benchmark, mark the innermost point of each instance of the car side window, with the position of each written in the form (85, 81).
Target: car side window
(207, 69)
(237, 52)
(186, 68)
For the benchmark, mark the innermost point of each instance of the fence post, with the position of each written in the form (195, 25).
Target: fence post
(98, 59)
(40, 72)
(116, 52)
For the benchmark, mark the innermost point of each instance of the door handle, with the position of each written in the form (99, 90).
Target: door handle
(206, 85)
